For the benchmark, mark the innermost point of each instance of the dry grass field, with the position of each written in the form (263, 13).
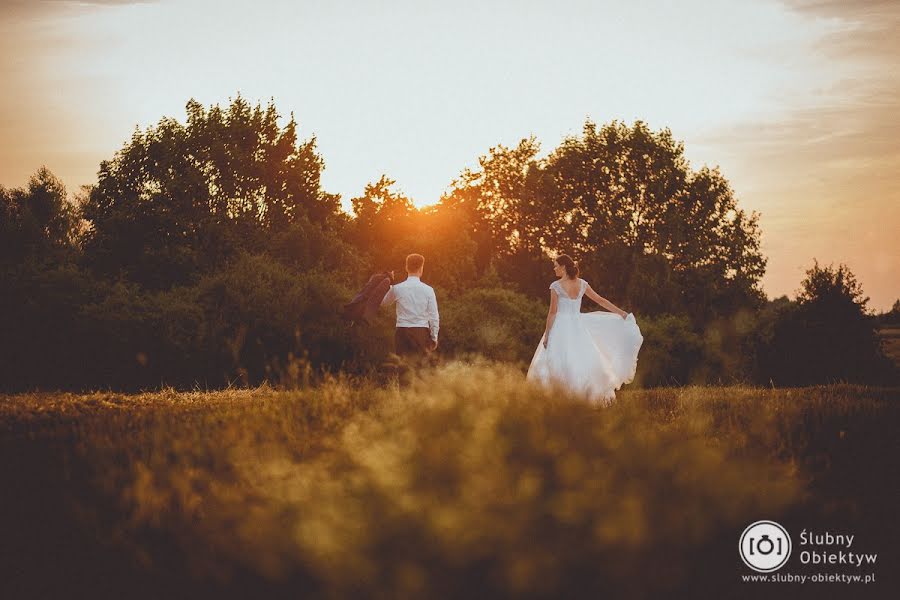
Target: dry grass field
(468, 483)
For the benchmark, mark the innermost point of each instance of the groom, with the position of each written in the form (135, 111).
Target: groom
(417, 312)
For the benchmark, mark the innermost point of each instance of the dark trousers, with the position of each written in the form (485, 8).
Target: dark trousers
(413, 341)
(415, 349)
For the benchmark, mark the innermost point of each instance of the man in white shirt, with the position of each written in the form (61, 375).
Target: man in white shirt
(417, 311)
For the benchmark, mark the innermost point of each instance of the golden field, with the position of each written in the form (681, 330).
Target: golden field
(467, 483)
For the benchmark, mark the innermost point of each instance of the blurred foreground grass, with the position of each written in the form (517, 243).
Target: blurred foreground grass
(469, 483)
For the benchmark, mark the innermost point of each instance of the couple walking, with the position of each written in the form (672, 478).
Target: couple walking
(587, 353)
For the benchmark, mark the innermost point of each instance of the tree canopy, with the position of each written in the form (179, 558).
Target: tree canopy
(180, 198)
(624, 202)
(208, 251)
(38, 221)
(828, 335)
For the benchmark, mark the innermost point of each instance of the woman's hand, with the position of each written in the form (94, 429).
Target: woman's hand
(544, 341)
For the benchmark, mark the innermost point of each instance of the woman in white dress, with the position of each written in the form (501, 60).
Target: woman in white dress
(589, 353)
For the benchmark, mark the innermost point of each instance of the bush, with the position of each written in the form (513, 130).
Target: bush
(670, 352)
(46, 341)
(497, 323)
(138, 340)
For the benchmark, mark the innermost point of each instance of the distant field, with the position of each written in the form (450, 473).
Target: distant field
(470, 483)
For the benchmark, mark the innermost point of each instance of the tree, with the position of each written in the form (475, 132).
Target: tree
(828, 336)
(383, 216)
(38, 221)
(389, 227)
(891, 317)
(506, 216)
(180, 199)
(651, 232)
(443, 237)
(627, 202)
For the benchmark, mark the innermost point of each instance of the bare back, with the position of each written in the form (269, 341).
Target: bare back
(572, 287)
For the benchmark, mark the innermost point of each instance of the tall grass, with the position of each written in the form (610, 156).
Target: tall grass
(469, 482)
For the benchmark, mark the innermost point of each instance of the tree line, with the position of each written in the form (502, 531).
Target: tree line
(208, 253)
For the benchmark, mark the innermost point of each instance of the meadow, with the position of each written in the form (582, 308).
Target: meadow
(468, 482)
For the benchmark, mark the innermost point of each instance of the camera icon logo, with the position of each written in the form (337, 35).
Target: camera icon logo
(765, 546)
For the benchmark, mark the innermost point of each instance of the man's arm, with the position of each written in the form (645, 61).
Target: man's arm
(389, 298)
(433, 317)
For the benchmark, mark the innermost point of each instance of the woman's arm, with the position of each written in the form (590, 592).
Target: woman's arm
(590, 293)
(551, 315)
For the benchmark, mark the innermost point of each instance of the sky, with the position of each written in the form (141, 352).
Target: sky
(796, 101)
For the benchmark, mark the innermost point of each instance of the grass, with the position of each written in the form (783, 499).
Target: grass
(468, 483)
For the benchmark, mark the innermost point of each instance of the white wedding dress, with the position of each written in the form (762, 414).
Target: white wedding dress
(589, 353)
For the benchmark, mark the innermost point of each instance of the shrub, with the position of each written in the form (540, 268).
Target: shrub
(670, 351)
(497, 323)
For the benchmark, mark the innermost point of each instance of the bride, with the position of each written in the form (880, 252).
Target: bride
(588, 353)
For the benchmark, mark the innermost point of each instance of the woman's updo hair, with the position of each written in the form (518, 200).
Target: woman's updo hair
(564, 260)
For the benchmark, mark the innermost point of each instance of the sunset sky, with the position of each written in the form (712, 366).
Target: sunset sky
(797, 101)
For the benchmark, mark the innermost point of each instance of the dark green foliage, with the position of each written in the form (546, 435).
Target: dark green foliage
(136, 339)
(892, 317)
(37, 223)
(624, 202)
(670, 352)
(45, 341)
(181, 199)
(497, 323)
(826, 335)
(208, 254)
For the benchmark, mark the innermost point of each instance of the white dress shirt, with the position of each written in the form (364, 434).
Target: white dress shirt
(416, 305)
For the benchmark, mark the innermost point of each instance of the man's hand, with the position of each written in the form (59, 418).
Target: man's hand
(545, 341)
(434, 345)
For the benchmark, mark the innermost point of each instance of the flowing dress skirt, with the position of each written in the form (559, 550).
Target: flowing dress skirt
(589, 353)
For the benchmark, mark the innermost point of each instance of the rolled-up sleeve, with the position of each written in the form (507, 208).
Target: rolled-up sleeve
(433, 317)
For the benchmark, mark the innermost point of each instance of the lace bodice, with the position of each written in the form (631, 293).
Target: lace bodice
(567, 304)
